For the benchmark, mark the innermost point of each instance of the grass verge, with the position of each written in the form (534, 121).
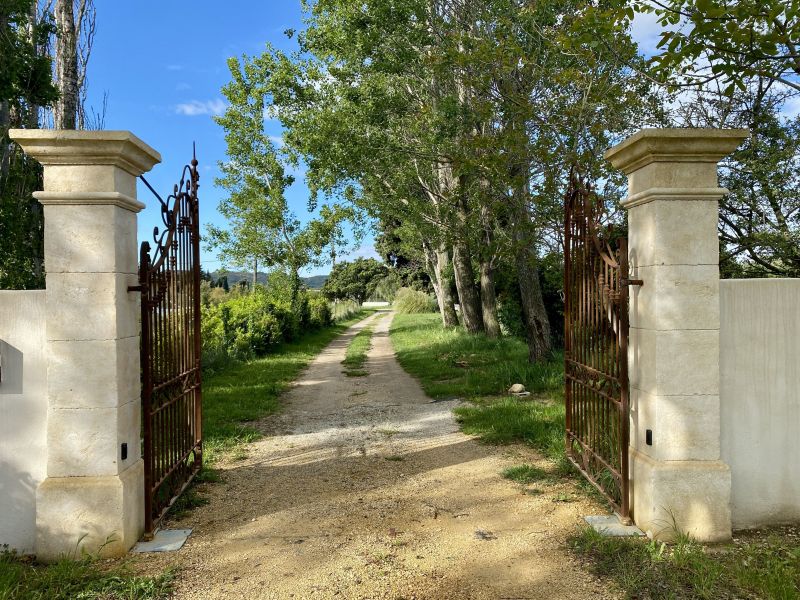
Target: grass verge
(85, 578)
(453, 363)
(757, 565)
(357, 353)
(249, 391)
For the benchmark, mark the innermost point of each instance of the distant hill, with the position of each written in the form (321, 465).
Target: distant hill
(314, 282)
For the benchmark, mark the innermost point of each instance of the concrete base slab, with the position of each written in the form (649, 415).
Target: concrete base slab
(165, 540)
(610, 526)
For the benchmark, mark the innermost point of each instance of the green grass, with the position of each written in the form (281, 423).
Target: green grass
(357, 352)
(526, 474)
(452, 363)
(85, 578)
(758, 566)
(246, 392)
(509, 420)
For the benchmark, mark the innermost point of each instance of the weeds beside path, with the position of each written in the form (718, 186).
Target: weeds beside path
(451, 363)
(85, 577)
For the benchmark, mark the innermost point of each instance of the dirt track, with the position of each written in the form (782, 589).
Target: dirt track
(365, 488)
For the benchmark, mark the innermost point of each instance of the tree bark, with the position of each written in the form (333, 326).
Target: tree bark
(439, 261)
(255, 273)
(65, 111)
(5, 142)
(488, 296)
(468, 297)
(489, 300)
(534, 314)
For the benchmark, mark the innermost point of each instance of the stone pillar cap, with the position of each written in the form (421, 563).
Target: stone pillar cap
(674, 145)
(68, 147)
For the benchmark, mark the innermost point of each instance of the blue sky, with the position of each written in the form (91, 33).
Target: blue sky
(162, 65)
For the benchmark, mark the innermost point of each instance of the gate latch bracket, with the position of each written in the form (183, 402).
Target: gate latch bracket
(134, 288)
(638, 282)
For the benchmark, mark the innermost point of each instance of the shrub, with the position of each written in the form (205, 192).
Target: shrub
(319, 313)
(408, 301)
(250, 325)
(343, 309)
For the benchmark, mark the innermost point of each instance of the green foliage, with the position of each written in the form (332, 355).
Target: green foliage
(386, 288)
(408, 301)
(246, 391)
(25, 86)
(720, 40)
(84, 578)
(243, 326)
(454, 124)
(760, 217)
(757, 567)
(21, 225)
(319, 312)
(25, 75)
(354, 280)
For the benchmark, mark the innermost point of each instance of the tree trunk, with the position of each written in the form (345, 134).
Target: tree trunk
(468, 297)
(488, 296)
(534, 314)
(439, 261)
(5, 142)
(255, 273)
(66, 108)
(537, 327)
(489, 300)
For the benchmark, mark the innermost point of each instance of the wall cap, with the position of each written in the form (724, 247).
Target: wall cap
(79, 148)
(674, 145)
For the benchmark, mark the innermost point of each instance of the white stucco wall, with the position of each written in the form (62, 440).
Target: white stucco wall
(23, 414)
(760, 398)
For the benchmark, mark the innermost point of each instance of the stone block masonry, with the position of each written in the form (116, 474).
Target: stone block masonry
(91, 499)
(679, 481)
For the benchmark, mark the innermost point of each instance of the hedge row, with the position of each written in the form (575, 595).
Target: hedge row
(251, 325)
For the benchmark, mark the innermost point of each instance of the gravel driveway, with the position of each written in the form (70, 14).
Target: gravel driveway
(365, 488)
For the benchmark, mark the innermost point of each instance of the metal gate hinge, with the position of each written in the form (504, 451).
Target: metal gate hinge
(638, 282)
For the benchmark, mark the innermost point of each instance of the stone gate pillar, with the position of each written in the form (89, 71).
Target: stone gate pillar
(677, 477)
(93, 496)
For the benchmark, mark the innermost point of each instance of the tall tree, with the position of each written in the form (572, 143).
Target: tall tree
(261, 230)
(25, 86)
(354, 280)
(75, 26)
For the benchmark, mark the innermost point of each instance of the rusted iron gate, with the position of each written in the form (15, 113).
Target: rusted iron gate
(596, 345)
(169, 282)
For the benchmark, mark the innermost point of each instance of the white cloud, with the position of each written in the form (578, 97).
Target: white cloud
(363, 252)
(792, 107)
(277, 140)
(646, 31)
(196, 108)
